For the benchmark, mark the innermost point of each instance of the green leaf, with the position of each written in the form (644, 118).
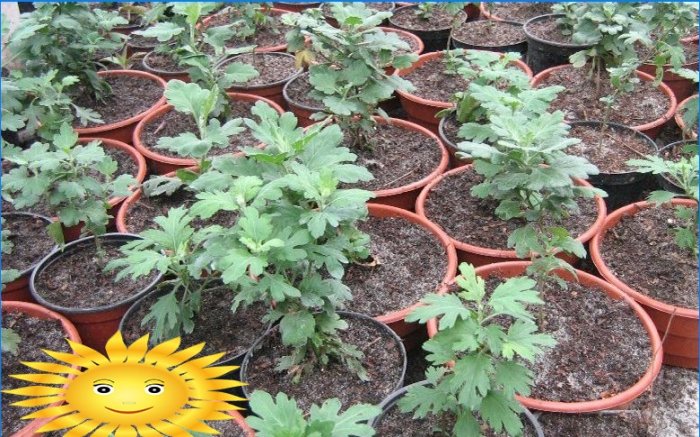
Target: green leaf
(447, 307)
(471, 379)
(297, 328)
(10, 341)
(501, 413)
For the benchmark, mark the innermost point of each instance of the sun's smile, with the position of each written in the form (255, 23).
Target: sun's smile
(128, 412)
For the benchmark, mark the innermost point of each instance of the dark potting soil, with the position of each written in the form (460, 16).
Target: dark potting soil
(410, 263)
(387, 158)
(174, 123)
(548, 30)
(488, 33)
(142, 42)
(440, 19)
(433, 83)
(580, 101)
(519, 12)
(611, 154)
(268, 36)
(227, 428)
(416, 364)
(614, 423)
(641, 251)
(141, 214)
(131, 96)
(36, 334)
(450, 128)
(31, 242)
(473, 221)
(374, 6)
(78, 280)
(689, 49)
(271, 68)
(678, 151)
(299, 91)
(670, 133)
(164, 62)
(382, 361)
(215, 324)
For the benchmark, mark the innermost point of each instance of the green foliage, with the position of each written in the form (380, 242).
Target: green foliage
(84, 36)
(10, 341)
(689, 114)
(476, 363)
(74, 180)
(425, 10)
(8, 275)
(348, 71)
(281, 417)
(251, 18)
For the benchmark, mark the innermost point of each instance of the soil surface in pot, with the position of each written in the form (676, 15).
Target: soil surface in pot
(519, 12)
(487, 33)
(548, 30)
(410, 263)
(227, 428)
(267, 36)
(142, 42)
(131, 95)
(619, 424)
(689, 49)
(271, 68)
(141, 214)
(215, 324)
(77, 279)
(382, 361)
(679, 151)
(36, 334)
(433, 83)
(164, 62)
(450, 128)
(642, 252)
(299, 91)
(579, 100)
(31, 242)
(611, 154)
(473, 221)
(173, 123)
(440, 19)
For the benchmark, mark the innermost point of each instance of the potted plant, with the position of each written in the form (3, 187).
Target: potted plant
(518, 12)
(665, 290)
(674, 152)
(489, 34)
(686, 117)
(326, 10)
(275, 70)
(122, 98)
(431, 22)
(256, 23)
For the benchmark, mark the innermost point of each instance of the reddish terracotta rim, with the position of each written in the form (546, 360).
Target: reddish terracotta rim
(438, 55)
(597, 257)
(242, 424)
(107, 127)
(155, 156)
(408, 35)
(509, 269)
(272, 11)
(485, 13)
(544, 74)
(691, 39)
(506, 254)
(378, 210)
(678, 117)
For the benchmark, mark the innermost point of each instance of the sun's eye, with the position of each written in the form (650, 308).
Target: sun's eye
(154, 389)
(102, 389)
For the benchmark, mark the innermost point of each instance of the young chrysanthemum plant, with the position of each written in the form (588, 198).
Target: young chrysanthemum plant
(477, 364)
(8, 275)
(281, 417)
(684, 173)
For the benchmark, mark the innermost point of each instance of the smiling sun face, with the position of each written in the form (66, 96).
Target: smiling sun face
(131, 390)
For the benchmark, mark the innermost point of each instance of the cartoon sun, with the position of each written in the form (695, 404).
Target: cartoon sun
(132, 391)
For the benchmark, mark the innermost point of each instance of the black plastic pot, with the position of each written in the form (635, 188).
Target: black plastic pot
(95, 325)
(665, 153)
(519, 47)
(247, 389)
(390, 401)
(131, 48)
(622, 188)
(455, 161)
(182, 75)
(542, 54)
(434, 40)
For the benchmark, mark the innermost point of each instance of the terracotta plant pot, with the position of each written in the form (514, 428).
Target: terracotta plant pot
(270, 11)
(479, 256)
(651, 129)
(422, 111)
(620, 400)
(242, 424)
(271, 91)
(18, 290)
(666, 152)
(161, 164)
(123, 130)
(95, 325)
(396, 320)
(543, 54)
(682, 88)
(678, 116)
(678, 325)
(405, 35)
(71, 333)
(434, 39)
(167, 76)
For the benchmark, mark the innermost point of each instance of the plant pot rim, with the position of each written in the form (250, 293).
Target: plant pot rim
(97, 130)
(52, 257)
(244, 88)
(690, 65)
(679, 119)
(148, 48)
(442, 237)
(48, 220)
(153, 70)
(184, 162)
(242, 424)
(394, 397)
(386, 329)
(617, 400)
(500, 253)
(529, 35)
(413, 29)
(272, 11)
(438, 55)
(597, 257)
(407, 34)
(497, 23)
(292, 102)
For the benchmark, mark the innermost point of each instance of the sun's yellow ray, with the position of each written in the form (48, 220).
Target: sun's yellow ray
(222, 384)
(217, 415)
(41, 378)
(147, 431)
(56, 411)
(125, 431)
(168, 428)
(116, 349)
(180, 357)
(191, 421)
(198, 364)
(51, 367)
(162, 350)
(213, 405)
(35, 390)
(67, 421)
(104, 431)
(71, 359)
(88, 353)
(221, 396)
(136, 351)
(215, 372)
(37, 402)
(83, 429)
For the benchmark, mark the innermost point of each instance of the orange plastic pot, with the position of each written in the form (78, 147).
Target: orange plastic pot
(678, 116)
(182, 75)
(652, 128)
(161, 164)
(397, 319)
(123, 130)
(269, 11)
(682, 88)
(271, 91)
(71, 333)
(480, 256)
(242, 424)
(678, 325)
(620, 400)
(422, 111)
